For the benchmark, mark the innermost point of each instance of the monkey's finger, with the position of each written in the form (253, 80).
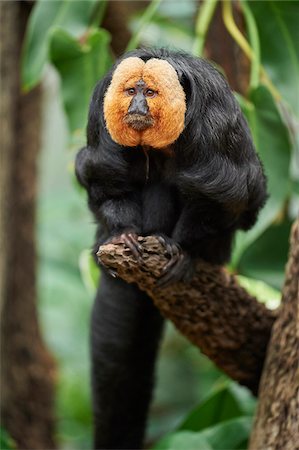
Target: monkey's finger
(171, 248)
(172, 262)
(166, 279)
(174, 274)
(133, 245)
(134, 239)
(162, 241)
(174, 250)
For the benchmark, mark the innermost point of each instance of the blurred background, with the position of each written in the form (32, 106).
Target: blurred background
(52, 54)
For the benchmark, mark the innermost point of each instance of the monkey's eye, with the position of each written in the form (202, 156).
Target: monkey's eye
(150, 93)
(131, 91)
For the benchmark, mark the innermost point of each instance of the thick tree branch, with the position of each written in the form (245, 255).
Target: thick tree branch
(276, 425)
(230, 326)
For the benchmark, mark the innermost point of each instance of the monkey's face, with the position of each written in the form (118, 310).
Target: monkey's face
(145, 104)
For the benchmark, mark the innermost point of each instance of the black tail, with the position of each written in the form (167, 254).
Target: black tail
(126, 329)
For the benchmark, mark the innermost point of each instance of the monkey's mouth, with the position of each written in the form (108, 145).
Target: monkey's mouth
(139, 122)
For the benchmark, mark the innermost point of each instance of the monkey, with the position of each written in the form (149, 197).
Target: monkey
(169, 153)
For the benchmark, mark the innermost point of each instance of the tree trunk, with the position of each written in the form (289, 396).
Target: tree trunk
(116, 21)
(27, 368)
(276, 425)
(230, 326)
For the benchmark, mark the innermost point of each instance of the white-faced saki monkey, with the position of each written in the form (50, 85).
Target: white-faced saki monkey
(168, 153)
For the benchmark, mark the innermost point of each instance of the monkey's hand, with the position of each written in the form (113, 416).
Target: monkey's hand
(179, 267)
(130, 239)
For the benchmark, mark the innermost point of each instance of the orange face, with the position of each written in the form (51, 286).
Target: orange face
(158, 119)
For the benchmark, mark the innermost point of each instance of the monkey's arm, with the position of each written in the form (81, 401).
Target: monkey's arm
(200, 232)
(114, 203)
(117, 214)
(234, 186)
(223, 167)
(206, 231)
(218, 199)
(227, 190)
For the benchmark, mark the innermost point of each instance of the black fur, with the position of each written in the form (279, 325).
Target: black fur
(212, 186)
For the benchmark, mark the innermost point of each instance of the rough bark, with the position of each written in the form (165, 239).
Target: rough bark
(276, 425)
(230, 326)
(26, 366)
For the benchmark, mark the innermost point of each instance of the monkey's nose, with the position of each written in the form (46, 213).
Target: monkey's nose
(138, 106)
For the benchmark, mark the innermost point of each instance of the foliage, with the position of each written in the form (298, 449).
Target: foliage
(80, 65)
(280, 56)
(6, 442)
(48, 18)
(275, 151)
(231, 434)
(65, 304)
(67, 34)
(222, 420)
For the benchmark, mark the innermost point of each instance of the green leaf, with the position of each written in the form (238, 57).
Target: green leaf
(73, 407)
(89, 271)
(73, 16)
(273, 144)
(265, 293)
(80, 66)
(163, 31)
(295, 187)
(183, 440)
(231, 434)
(277, 23)
(221, 405)
(266, 258)
(6, 442)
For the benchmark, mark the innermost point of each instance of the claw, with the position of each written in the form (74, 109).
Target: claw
(172, 262)
(172, 248)
(173, 271)
(111, 272)
(130, 240)
(179, 267)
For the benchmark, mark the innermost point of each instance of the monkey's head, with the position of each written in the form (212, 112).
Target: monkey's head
(145, 103)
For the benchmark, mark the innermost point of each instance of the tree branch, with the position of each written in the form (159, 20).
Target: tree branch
(213, 311)
(276, 424)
